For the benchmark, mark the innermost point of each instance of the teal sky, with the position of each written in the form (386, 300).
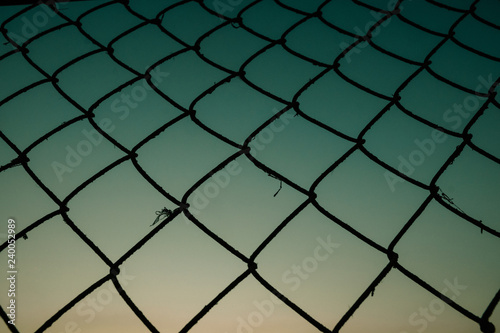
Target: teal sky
(166, 136)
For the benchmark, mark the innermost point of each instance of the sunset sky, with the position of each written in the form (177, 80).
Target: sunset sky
(339, 224)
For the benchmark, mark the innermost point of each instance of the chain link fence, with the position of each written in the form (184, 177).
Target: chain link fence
(346, 73)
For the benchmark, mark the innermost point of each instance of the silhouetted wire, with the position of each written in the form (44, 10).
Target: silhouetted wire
(165, 216)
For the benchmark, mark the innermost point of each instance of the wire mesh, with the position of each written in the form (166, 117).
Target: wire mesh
(385, 90)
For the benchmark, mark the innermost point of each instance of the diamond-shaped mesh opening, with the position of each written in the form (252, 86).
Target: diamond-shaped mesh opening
(216, 110)
(31, 22)
(230, 47)
(189, 21)
(313, 250)
(360, 18)
(133, 113)
(430, 243)
(358, 192)
(241, 188)
(440, 103)
(280, 72)
(144, 47)
(11, 81)
(169, 167)
(26, 107)
(54, 50)
(387, 73)
(429, 16)
(75, 153)
(101, 76)
(463, 67)
(413, 43)
(343, 107)
(189, 76)
(269, 19)
(482, 32)
(324, 42)
(415, 149)
(289, 149)
(103, 220)
(104, 30)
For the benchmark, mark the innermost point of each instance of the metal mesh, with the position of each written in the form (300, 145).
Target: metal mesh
(386, 89)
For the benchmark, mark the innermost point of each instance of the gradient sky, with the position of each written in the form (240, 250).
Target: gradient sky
(181, 269)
